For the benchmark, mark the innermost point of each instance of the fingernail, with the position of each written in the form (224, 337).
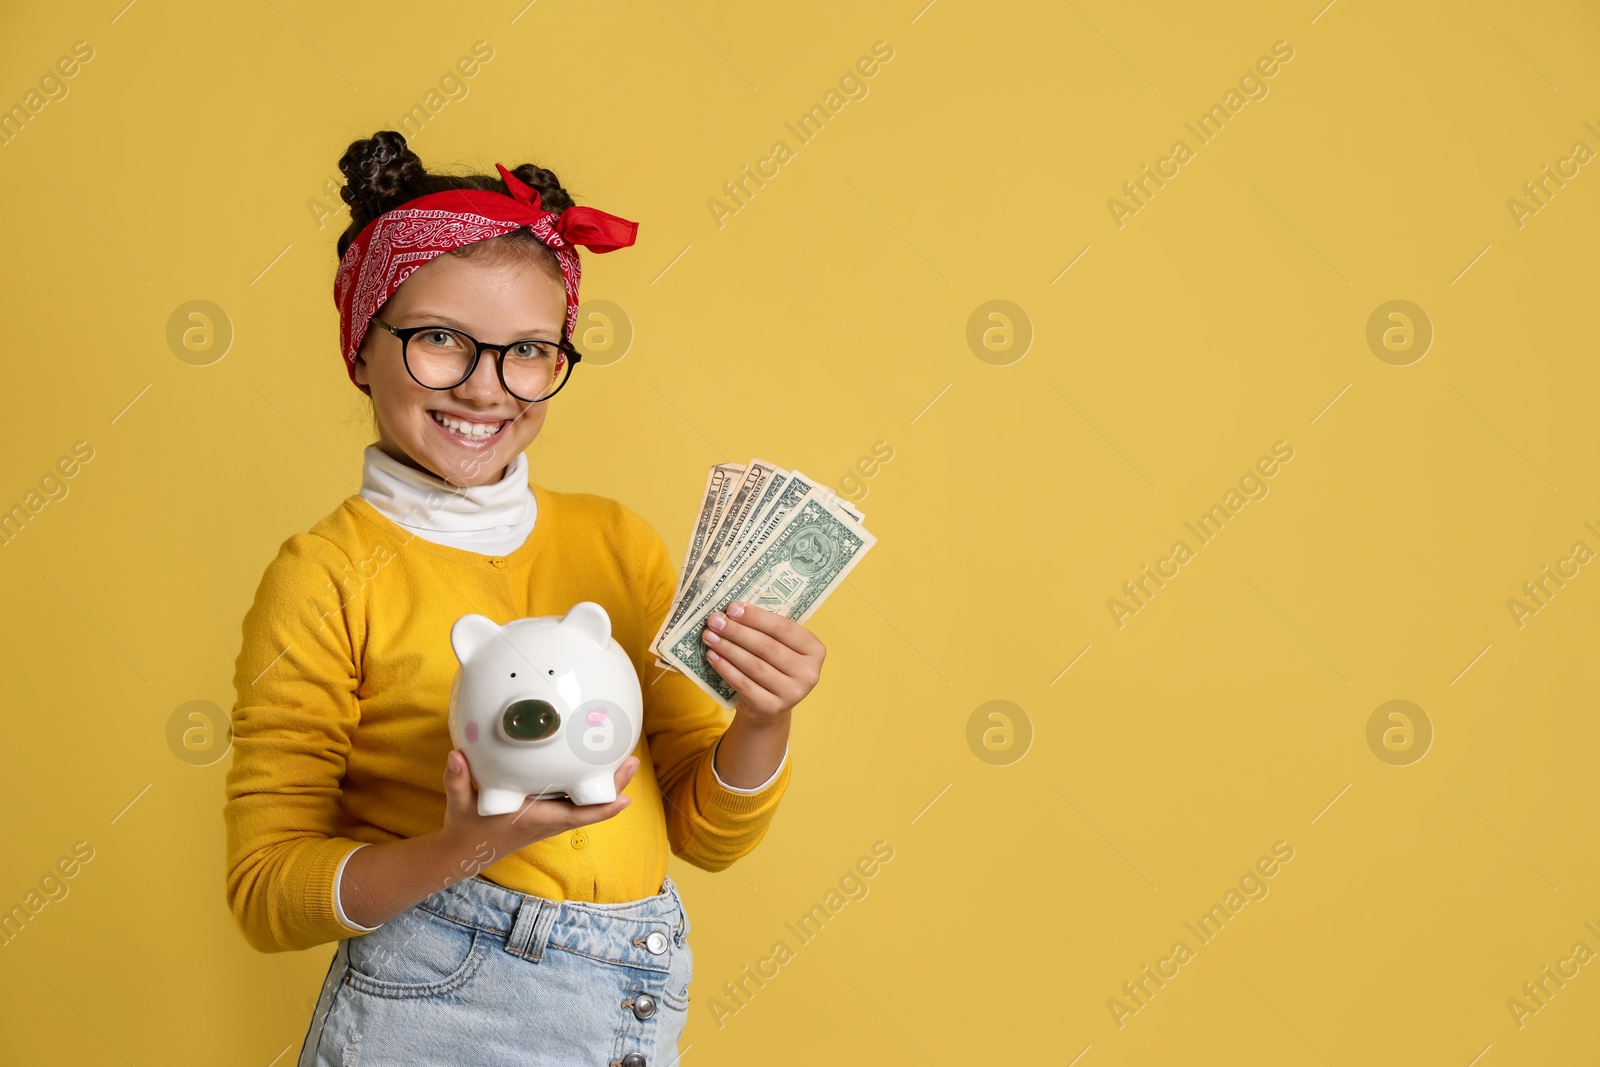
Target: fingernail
(718, 621)
(736, 610)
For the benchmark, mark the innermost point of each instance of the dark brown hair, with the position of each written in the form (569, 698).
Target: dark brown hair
(381, 173)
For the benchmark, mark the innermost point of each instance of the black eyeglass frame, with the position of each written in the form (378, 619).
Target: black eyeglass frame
(574, 357)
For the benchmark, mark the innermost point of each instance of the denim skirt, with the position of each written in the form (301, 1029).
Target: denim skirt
(481, 974)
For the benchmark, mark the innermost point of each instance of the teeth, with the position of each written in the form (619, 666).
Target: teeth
(467, 429)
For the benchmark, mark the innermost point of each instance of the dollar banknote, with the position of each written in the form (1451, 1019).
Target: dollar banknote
(721, 484)
(783, 543)
(717, 540)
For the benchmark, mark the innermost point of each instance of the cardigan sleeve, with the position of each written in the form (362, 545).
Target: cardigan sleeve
(296, 709)
(709, 824)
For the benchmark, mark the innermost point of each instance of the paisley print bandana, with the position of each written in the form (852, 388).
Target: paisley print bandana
(396, 243)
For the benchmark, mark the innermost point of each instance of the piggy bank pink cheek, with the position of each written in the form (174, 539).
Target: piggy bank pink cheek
(597, 718)
(472, 731)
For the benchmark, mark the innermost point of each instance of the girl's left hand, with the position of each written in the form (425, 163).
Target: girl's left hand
(771, 661)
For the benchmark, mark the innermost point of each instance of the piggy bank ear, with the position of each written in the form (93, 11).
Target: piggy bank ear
(470, 633)
(590, 620)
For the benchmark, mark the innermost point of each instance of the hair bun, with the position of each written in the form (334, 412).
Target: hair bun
(552, 197)
(381, 173)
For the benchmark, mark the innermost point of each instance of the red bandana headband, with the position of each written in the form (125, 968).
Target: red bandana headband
(396, 243)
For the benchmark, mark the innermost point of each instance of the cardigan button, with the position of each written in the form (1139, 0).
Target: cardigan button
(579, 839)
(497, 562)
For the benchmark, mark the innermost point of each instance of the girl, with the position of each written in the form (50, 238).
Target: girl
(551, 935)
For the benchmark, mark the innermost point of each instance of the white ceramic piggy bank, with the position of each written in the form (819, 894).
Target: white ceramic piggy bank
(543, 707)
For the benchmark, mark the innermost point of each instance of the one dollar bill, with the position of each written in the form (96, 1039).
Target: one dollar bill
(790, 568)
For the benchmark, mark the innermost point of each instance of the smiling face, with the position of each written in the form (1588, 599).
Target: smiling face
(503, 296)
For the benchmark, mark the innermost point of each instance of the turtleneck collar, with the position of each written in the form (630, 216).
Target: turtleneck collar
(492, 519)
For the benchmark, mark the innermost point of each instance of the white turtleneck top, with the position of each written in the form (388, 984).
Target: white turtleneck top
(492, 519)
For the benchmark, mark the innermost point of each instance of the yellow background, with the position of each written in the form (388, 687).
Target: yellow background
(828, 314)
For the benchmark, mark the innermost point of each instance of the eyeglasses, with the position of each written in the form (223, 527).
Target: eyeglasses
(438, 357)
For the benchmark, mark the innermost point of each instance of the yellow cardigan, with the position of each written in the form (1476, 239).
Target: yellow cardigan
(340, 728)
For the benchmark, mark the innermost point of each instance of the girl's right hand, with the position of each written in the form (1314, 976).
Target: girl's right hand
(536, 820)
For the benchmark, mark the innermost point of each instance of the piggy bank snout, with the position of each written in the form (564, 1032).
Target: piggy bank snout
(530, 720)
